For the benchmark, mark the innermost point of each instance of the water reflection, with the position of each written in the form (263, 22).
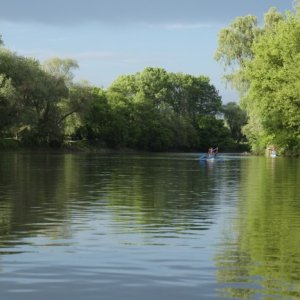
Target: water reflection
(134, 226)
(43, 191)
(260, 253)
(108, 222)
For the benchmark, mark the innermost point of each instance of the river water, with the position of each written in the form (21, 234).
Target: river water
(156, 226)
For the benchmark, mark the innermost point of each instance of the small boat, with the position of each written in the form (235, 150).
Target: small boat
(207, 158)
(273, 153)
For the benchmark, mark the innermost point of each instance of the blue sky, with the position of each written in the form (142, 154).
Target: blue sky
(110, 38)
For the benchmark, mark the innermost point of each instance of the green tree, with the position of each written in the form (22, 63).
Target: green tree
(235, 49)
(158, 107)
(264, 65)
(235, 119)
(38, 95)
(235, 46)
(192, 96)
(213, 133)
(273, 99)
(61, 68)
(9, 110)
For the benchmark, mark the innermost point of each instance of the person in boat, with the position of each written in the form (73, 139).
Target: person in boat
(212, 152)
(273, 151)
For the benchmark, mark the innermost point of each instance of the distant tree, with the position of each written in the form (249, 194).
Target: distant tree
(61, 68)
(193, 96)
(9, 109)
(213, 133)
(235, 118)
(159, 107)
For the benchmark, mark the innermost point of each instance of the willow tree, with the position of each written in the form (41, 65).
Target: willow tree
(61, 68)
(264, 69)
(76, 104)
(37, 96)
(235, 49)
(235, 46)
(274, 92)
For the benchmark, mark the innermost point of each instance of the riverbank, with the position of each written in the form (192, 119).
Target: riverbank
(84, 146)
(68, 147)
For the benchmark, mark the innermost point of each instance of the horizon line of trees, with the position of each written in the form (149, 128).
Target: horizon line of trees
(41, 105)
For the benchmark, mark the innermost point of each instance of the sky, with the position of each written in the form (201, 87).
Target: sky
(110, 38)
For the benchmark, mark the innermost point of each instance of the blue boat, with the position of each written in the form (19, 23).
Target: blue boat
(208, 158)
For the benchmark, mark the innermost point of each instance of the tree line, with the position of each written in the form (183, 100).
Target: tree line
(41, 105)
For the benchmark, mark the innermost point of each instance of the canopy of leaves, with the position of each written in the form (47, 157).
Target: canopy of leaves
(150, 110)
(235, 119)
(274, 75)
(265, 71)
(154, 110)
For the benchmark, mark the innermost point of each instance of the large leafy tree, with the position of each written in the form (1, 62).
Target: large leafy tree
(274, 94)
(80, 95)
(41, 103)
(37, 96)
(193, 96)
(265, 70)
(235, 46)
(235, 49)
(159, 107)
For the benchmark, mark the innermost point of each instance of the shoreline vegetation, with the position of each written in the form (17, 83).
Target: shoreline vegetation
(41, 107)
(83, 146)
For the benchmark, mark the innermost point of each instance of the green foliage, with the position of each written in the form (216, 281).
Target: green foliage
(235, 119)
(266, 73)
(8, 105)
(212, 132)
(158, 107)
(193, 96)
(61, 68)
(150, 110)
(36, 95)
(235, 41)
(274, 90)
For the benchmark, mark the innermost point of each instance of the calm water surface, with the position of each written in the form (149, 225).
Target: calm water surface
(161, 226)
